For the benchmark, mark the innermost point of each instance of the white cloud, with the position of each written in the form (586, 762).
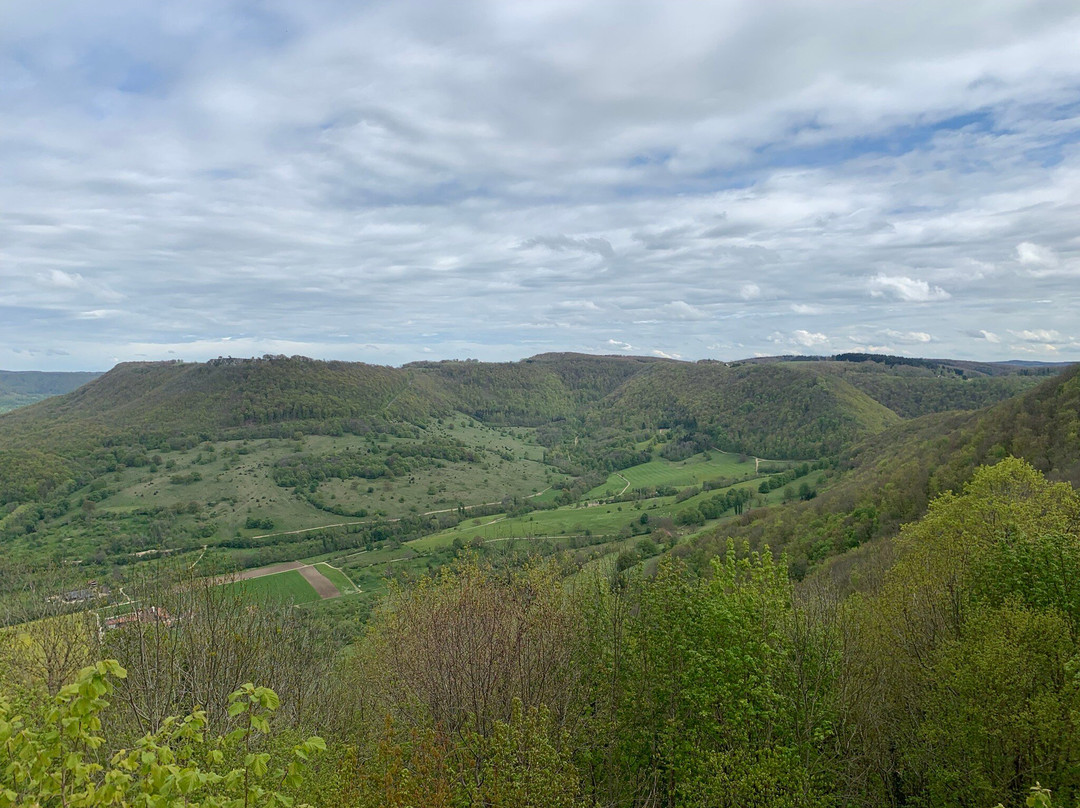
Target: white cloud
(1035, 255)
(905, 288)
(1043, 262)
(807, 308)
(809, 339)
(97, 314)
(1040, 348)
(681, 310)
(1037, 335)
(61, 279)
(911, 337)
(750, 291)
(622, 346)
(577, 305)
(990, 336)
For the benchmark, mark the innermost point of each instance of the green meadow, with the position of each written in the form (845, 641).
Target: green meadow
(659, 472)
(288, 587)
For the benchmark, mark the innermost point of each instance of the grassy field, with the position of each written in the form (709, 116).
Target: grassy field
(660, 472)
(284, 586)
(185, 499)
(337, 578)
(559, 522)
(583, 520)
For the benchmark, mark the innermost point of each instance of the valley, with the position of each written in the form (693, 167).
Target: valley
(387, 474)
(346, 533)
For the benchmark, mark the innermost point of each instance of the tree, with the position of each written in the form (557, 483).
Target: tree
(49, 759)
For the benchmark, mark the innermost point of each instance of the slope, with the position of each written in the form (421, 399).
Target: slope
(776, 410)
(890, 477)
(164, 399)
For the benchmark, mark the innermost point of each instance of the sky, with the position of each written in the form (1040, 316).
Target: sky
(397, 181)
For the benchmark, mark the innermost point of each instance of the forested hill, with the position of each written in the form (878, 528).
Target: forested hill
(19, 388)
(172, 398)
(533, 391)
(792, 409)
(891, 476)
(914, 387)
(767, 410)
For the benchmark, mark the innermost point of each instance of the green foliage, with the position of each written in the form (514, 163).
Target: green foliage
(283, 587)
(890, 478)
(969, 649)
(767, 410)
(30, 474)
(519, 763)
(700, 689)
(51, 759)
(911, 391)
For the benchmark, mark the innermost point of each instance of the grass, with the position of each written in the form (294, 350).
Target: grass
(567, 521)
(337, 578)
(143, 507)
(578, 520)
(660, 472)
(287, 586)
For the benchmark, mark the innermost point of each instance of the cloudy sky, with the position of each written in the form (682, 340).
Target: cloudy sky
(392, 181)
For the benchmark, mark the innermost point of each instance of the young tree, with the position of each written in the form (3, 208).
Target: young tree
(49, 759)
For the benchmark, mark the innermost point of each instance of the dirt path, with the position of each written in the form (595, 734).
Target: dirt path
(625, 486)
(319, 582)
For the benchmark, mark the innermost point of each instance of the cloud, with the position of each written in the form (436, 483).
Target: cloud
(808, 338)
(61, 279)
(905, 288)
(909, 337)
(1037, 335)
(1042, 348)
(622, 346)
(665, 355)
(749, 291)
(97, 314)
(599, 246)
(498, 167)
(575, 305)
(1035, 255)
(681, 310)
(1043, 262)
(989, 336)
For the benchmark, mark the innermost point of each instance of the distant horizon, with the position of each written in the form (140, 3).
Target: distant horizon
(807, 357)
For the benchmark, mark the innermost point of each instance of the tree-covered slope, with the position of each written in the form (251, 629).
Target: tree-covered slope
(911, 390)
(533, 391)
(767, 410)
(890, 477)
(167, 398)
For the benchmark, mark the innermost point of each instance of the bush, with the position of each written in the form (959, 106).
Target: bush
(51, 760)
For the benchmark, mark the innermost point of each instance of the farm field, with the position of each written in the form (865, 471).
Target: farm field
(661, 472)
(289, 586)
(337, 578)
